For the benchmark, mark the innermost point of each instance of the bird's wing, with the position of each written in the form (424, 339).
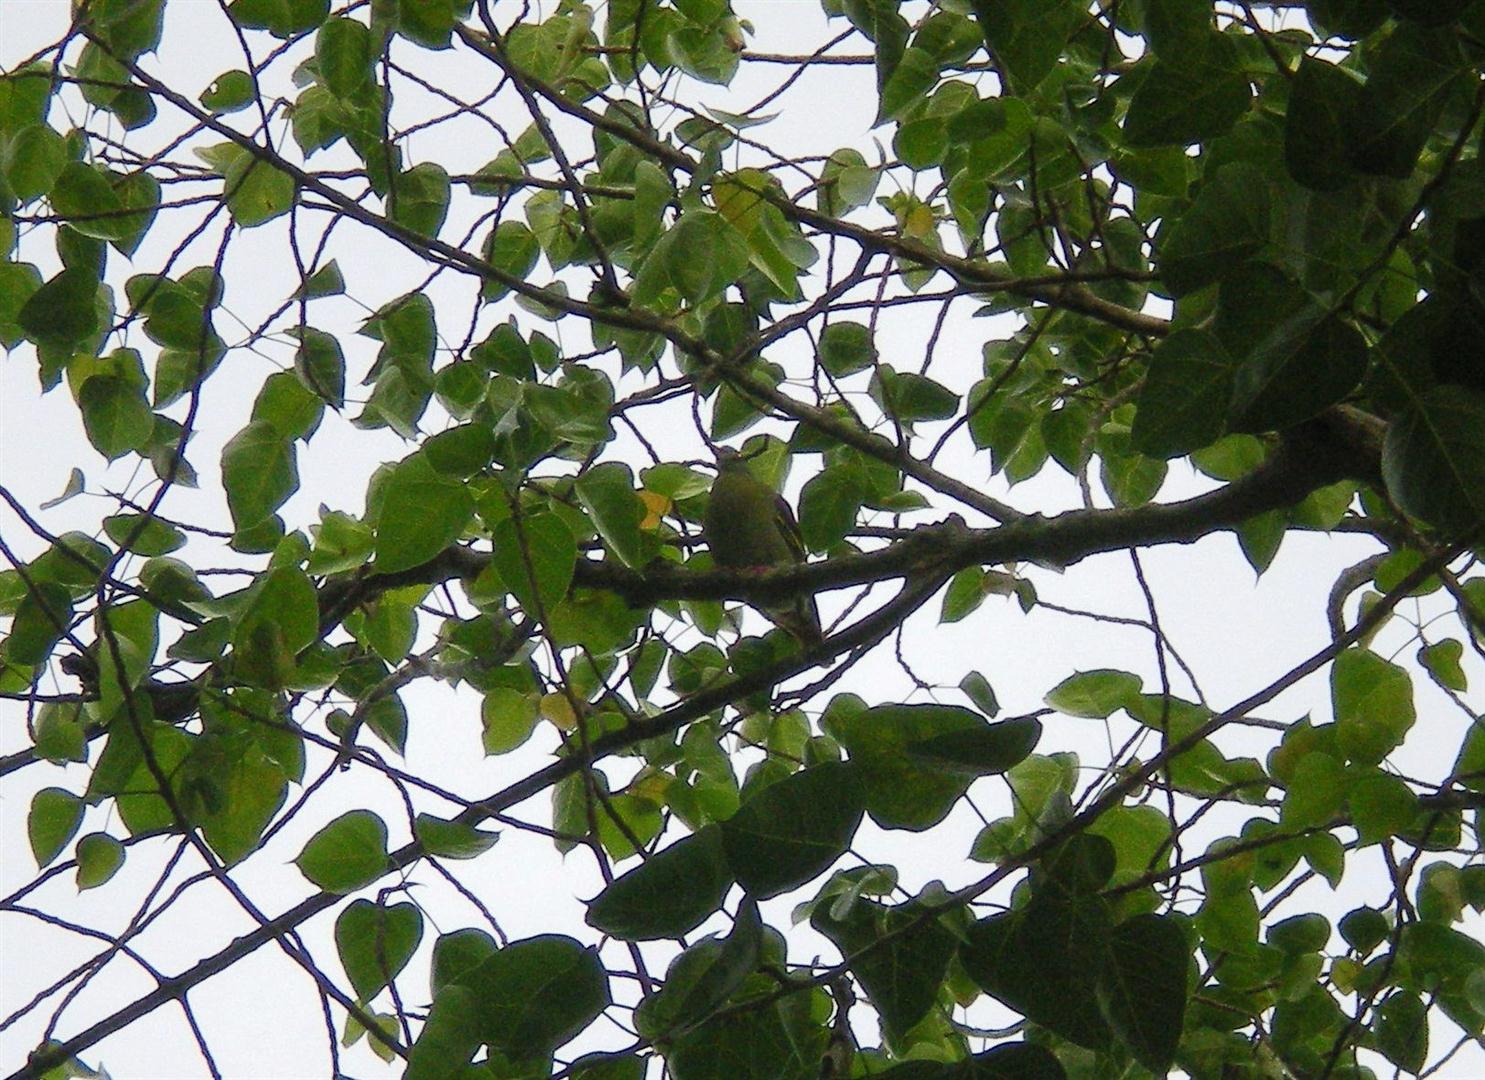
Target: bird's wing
(789, 528)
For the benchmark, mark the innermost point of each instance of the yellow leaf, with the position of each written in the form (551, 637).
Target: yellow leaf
(651, 785)
(558, 710)
(919, 221)
(656, 507)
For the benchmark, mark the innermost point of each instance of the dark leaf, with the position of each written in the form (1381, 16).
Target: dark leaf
(669, 894)
(794, 829)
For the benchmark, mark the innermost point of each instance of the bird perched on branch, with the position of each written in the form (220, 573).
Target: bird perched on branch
(749, 526)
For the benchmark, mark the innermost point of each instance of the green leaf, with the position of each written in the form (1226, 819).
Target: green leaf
(536, 559)
(33, 160)
(1027, 37)
(63, 311)
(1315, 791)
(1364, 929)
(1044, 961)
(1260, 538)
(916, 73)
(704, 55)
(1433, 459)
(846, 348)
(669, 894)
(1411, 75)
(1382, 806)
(151, 536)
(1347, 18)
(41, 618)
(507, 719)
(1228, 921)
(794, 829)
(457, 953)
(461, 451)
(343, 53)
(779, 1040)
(697, 257)
(911, 397)
(284, 402)
(375, 943)
(1299, 934)
(1401, 1030)
(1140, 836)
(256, 191)
(85, 197)
(252, 787)
(1373, 702)
(419, 198)
(1095, 694)
(1228, 223)
(430, 23)
(176, 317)
(1321, 97)
(140, 193)
(347, 854)
(116, 416)
(128, 27)
(599, 1066)
(1442, 662)
(60, 734)
(978, 689)
(1142, 987)
(704, 975)
(422, 513)
(53, 820)
(828, 505)
(99, 857)
(885, 27)
(25, 96)
(1184, 402)
(901, 976)
(512, 248)
(1190, 100)
(452, 839)
(341, 543)
(900, 793)
(846, 182)
(536, 994)
(449, 1038)
(1307, 362)
(966, 592)
(607, 493)
(282, 18)
(283, 601)
(18, 283)
(259, 473)
(229, 92)
(1007, 1061)
(74, 486)
(981, 751)
(320, 364)
(1175, 27)
(326, 281)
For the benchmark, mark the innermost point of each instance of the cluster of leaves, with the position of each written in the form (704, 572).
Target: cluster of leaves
(1212, 239)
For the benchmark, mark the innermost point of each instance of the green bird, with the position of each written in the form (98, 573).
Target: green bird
(749, 526)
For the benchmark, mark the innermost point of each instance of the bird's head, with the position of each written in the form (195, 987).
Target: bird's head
(729, 460)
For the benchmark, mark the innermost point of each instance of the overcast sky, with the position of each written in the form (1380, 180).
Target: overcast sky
(262, 1017)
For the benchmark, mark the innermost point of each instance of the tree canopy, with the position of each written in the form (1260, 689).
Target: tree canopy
(403, 335)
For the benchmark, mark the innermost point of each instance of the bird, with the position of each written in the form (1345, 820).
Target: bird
(749, 526)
